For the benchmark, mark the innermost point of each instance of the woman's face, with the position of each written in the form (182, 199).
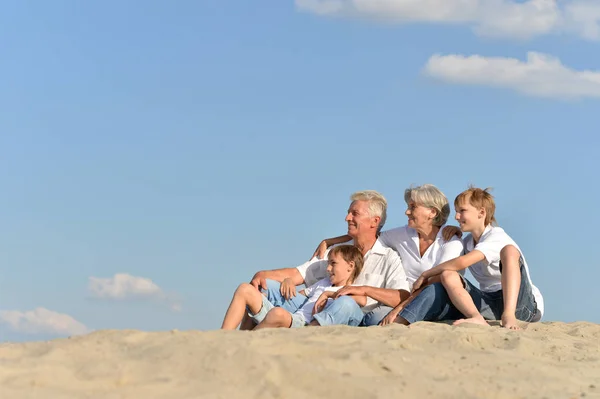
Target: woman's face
(419, 216)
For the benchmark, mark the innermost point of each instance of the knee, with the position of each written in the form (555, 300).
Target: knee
(244, 288)
(450, 278)
(276, 314)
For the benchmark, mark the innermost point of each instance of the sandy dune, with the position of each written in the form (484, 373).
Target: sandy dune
(547, 360)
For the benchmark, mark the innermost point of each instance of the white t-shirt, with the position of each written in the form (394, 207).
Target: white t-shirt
(487, 271)
(382, 269)
(313, 292)
(405, 241)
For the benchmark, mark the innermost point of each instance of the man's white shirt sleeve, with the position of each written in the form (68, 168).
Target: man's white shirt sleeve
(313, 270)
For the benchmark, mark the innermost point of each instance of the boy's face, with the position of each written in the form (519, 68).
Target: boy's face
(339, 270)
(468, 217)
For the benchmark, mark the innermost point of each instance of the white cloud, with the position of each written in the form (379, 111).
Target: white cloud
(123, 286)
(42, 321)
(540, 75)
(498, 18)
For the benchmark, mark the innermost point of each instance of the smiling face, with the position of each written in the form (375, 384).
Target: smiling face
(468, 217)
(419, 216)
(339, 270)
(359, 219)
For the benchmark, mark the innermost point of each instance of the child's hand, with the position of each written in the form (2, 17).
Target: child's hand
(450, 231)
(287, 289)
(320, 304)
(419, 283)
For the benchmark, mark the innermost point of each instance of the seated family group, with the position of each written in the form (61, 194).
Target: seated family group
(403, 275)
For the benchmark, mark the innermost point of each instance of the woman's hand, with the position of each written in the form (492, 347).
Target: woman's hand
(321, 302)
(392, 316)
(320, 251)
(287, 289)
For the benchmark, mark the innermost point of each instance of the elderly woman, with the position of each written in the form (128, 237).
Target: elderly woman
(420, 244)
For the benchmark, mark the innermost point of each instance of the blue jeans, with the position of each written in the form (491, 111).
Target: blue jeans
(274, 296)
(345, 310)
(433, 303)
(491, 304)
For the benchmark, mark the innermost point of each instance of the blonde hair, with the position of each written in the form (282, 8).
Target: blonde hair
(431, 197)
(377, 204)
(479, 198)
(352, 255)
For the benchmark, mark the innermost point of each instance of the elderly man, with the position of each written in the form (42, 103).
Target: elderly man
(382, 279)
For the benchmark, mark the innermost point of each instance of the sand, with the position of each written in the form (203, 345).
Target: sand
(547, 360)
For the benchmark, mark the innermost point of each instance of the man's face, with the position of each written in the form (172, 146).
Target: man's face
(359, 220)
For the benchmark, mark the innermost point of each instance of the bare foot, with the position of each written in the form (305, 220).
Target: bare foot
(510, 322)
(473, 320)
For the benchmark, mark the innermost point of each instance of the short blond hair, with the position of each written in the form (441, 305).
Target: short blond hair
(479, 198)
(352, 255)
(377, 204)
(431, 197)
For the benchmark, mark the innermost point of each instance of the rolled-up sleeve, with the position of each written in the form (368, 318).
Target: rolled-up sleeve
(313, 270)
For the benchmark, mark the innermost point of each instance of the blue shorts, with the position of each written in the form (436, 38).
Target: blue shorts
(491, 304)
(297, 319)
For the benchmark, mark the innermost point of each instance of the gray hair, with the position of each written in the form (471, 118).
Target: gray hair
(431, 197)
(377, 204)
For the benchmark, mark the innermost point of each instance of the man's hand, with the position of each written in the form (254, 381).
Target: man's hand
(259, 280)
(320, 251)
(419, 283)
(450, 231)
(287, 289)
(351, 290)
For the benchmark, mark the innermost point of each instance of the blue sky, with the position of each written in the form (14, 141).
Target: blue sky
(185, 145)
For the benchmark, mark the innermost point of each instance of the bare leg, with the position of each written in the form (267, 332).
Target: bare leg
(401, 320)
(461, 299)
(511, 283)
(277, 317)
(245, 295)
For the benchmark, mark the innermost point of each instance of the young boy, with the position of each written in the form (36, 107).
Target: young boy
(506, 292)
(345, 264)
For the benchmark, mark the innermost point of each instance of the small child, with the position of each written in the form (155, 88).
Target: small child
(345, 264)
(506, 292)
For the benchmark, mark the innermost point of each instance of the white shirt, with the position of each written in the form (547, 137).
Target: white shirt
(405, 241)
(487, 271)
(382, 269)
(313, 292)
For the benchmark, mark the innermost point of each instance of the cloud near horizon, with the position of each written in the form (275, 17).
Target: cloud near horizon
(123, 286)
(493, 18)
(42, 321)
(541, 75)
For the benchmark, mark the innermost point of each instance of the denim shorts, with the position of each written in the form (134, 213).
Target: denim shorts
(297, 319)
(491, 304)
